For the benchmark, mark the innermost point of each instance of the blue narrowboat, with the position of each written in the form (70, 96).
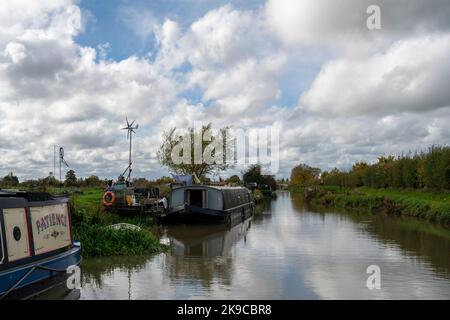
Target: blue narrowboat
(36, 245)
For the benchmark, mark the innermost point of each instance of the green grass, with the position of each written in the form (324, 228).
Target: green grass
(90, 226)
(88, 196)
(432, 206)
(409, 195)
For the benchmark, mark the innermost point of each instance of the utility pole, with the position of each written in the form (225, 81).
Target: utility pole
(54, 161)
(60, 176)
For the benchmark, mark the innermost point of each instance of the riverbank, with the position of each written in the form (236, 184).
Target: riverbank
(432, 206)
(260, 195)
(91, 226)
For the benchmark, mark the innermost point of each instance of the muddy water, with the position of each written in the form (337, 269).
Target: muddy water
(286, 251)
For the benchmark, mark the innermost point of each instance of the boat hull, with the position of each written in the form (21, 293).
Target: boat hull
(193, 214)
(39, 275)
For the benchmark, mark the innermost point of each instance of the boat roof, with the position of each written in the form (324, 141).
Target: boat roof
(211, 187)
(30, 196)
(10, 192)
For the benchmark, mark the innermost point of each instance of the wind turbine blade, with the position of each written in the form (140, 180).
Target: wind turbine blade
(132, 123)
(137, 126)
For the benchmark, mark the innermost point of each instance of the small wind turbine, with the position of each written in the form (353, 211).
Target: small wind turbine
(130, 130)
(61, 161)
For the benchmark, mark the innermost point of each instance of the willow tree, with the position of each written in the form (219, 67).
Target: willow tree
(199, 151)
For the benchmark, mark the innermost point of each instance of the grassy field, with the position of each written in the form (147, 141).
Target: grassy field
(91, 226)
(432, 206)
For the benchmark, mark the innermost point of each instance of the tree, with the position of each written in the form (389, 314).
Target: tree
(192, 152)
(234, 179)
(93, 181)
(71, 179)
(140, 183)
(10, 180)
(253, 174)
(302, 174)
(358, 170)
(164, 180)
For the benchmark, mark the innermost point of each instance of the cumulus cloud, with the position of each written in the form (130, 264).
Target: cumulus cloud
(339, 141)
(376, 92)
(54, 91)
(407, 77)
(343, 23)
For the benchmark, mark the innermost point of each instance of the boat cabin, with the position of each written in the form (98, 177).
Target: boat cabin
(217, 203)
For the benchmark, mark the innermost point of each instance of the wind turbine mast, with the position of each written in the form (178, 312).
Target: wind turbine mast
(130, 130)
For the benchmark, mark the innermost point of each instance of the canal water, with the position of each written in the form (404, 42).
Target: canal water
(286, 251)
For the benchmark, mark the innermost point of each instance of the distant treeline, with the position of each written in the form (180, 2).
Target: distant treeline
(71, 181)
(429, 170)
(42, 184)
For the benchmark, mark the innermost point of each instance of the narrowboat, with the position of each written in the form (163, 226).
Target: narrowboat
(36, 246)
(203, 203)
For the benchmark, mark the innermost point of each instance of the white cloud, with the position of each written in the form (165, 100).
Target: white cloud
(338, 24)
(54, 91)
(407, 77)
(376, 93)
(218, 37)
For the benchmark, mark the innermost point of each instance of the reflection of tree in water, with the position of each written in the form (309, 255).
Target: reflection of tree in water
(203, 252)
(96, 269)
(416, 237)
(300, 204)
(263, 210)
(413, 236)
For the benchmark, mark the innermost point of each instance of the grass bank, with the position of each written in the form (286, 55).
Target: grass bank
(91, 226)
(432, 206)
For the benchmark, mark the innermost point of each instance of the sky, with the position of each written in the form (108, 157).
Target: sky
(71, 71)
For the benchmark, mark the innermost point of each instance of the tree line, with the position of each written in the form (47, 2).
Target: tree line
(429, 169)
(252, 175)
(71, 180)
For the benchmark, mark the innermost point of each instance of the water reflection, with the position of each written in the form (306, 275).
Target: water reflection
(414, 237)
(96, 270)
(203, 253)
(205, 240)
(286, 251)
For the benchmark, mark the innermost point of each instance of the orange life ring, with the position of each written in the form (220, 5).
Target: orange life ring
(109, 198)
